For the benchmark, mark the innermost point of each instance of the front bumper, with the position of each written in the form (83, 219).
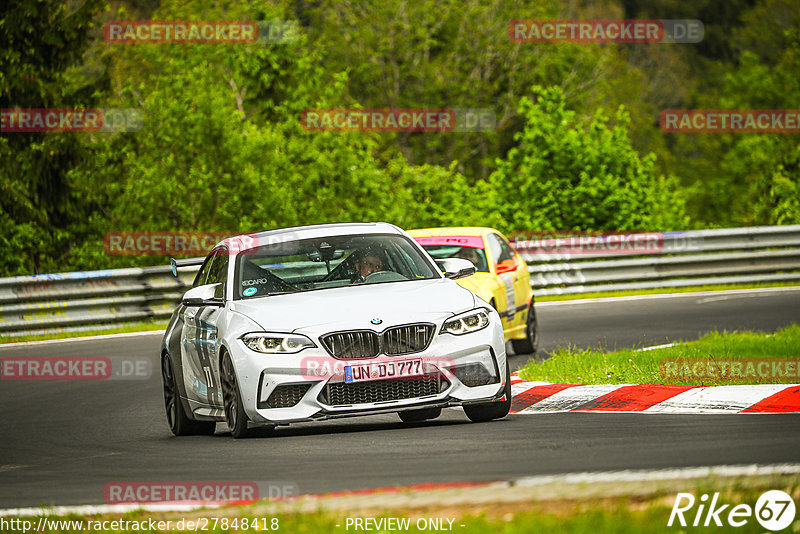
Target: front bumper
(310, 385)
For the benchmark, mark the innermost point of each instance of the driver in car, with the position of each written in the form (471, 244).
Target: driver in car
(367, 262)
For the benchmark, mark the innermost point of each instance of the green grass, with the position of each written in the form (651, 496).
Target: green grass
(665, 290)
(589, 366)
(122, 329)
(636, 510)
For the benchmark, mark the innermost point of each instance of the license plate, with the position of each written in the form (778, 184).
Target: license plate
(382, 370)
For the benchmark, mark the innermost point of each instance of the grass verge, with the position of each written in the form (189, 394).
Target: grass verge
(637, 506)
(663, 290)
(588, 366)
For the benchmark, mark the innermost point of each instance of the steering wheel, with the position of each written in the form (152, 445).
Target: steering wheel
(383, 276)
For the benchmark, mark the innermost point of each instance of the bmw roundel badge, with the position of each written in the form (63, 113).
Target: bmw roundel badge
(376, 321)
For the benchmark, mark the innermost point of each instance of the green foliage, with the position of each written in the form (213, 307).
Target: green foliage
(458, 54)
(41, 215)
(570, 174)
(768, 165)
(221, 146)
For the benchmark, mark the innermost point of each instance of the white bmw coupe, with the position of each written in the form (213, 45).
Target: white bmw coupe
(335, 320)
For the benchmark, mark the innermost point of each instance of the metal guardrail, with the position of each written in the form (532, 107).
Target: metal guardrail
(89, 300)
(682, 259)
(95, 300)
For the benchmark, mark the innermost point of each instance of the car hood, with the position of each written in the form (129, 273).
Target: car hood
(355, 307)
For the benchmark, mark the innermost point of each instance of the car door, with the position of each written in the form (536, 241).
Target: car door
(508, 292)
(507, 269)
(200, 339)
(521, 277)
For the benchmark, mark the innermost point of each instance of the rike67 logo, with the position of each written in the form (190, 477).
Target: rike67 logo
(774, 510)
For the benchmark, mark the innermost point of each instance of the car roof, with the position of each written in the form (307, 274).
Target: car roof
(282, 235)
(453, 231)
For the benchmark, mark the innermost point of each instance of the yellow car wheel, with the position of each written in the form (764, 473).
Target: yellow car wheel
(530, 343)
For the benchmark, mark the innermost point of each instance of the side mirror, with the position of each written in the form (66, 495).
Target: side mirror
(506, 266)
(202, 296)
(456, 267)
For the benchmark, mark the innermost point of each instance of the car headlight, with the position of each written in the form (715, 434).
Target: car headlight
(276, 343)
(467, 322)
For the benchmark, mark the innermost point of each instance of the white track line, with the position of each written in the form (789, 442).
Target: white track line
(96, 509)
(577, 302)
(83, 338)
(654, 347)
(662, 474)
(539, 480)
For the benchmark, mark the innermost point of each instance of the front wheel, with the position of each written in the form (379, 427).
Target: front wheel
(479, 413)
(179, 422)
(235, 415)
(530, 343)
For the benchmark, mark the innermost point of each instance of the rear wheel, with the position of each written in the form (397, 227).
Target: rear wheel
(235, 415)
(478, 413)
(415, 416)
(530, 343)
(179, 422)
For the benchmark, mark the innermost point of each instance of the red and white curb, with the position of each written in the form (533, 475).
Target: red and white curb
(543, 397)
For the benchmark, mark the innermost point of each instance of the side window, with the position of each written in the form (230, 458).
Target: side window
(494, 248)
(500, 250)
(218, 272)
(507, 253)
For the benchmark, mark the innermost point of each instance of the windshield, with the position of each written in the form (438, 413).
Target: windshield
(332, 261)
(476, 255)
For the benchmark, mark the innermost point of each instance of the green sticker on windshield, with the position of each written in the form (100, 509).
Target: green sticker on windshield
(250, 291)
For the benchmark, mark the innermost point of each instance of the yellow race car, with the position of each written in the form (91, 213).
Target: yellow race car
(502, 277)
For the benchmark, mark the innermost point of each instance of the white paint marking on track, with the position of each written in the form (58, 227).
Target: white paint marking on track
(578, 302)
(538, 480)
(717, 399)
(83, 338)
(654, 347)
(662, 474)
(104, 509)
(571, 398)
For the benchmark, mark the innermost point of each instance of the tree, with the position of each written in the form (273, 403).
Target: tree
(41, 214)
(566, 174)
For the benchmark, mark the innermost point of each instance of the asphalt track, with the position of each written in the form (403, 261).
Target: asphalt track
(63, 441)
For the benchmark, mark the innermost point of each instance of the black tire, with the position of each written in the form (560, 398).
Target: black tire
(479, 413)
(179, 422)
(415, 416)
(235, 415)
(530, 343)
